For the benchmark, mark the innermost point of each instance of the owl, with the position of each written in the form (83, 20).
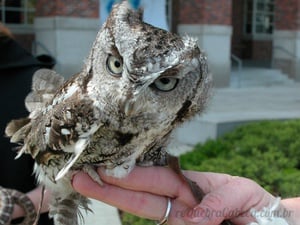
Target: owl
(137, 85)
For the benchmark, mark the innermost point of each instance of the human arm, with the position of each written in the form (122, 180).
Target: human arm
(35, 197)
(144, 192)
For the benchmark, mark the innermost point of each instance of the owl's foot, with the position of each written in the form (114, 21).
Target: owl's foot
(67, 210)
(155, 157)
(91, 171)
(122, 170)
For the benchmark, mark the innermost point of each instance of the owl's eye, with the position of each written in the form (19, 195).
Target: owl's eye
(165, 83)
(114, 65)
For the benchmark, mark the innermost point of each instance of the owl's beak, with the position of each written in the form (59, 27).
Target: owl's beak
(133, 103)
(128, 105)
(129, 108)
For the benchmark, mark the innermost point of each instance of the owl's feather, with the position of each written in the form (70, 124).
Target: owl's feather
(45, 83)
(137, 85)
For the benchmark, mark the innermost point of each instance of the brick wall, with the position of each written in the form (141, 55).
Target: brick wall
(70, 8)
(287, 14)
(205, 12)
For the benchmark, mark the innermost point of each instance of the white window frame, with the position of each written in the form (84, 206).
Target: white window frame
(254, 34)
(25, 9)
(169, 6)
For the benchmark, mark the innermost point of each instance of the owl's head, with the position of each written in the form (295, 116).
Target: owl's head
(144, 69)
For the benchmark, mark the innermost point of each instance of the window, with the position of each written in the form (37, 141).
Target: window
(259, 17)
(169, 11)
(17, 12)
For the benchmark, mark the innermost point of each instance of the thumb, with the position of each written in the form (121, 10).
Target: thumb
(231, 201)
(211, 210)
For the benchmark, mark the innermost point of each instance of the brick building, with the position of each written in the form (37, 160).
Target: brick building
(266, 32)
(260, 32)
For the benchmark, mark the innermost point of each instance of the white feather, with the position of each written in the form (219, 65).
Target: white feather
(78, 148)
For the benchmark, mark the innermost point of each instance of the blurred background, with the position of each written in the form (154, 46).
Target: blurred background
(236, 34)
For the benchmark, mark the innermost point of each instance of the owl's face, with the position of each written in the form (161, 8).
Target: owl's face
(145, 70)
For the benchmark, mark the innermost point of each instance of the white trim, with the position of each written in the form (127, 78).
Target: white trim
(20, 28)
(286, 34)
(195, 29)
(66, 23)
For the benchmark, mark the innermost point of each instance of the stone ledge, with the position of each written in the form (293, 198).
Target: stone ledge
(205, 29)
(196, 132)
(230, 108)
(66, 23)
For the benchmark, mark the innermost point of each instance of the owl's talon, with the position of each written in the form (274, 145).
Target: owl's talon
(91, 171)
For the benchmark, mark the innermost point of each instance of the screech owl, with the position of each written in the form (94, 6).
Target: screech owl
(138, 83)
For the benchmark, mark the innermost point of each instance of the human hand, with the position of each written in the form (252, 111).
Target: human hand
(35, 196)
(143, 193)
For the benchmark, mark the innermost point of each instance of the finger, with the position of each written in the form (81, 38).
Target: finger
(138, 203)
(233, 200)
(156, 180)
(208, 181)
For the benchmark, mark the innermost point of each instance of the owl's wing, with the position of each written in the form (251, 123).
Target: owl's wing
(61, 121)
(70, 127)
(45, 83)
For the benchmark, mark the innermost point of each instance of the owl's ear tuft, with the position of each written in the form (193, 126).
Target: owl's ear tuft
(125, 13)
(134, 17)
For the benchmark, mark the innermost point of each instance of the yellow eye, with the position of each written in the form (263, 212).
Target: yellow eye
(165, 83)
(114, 65)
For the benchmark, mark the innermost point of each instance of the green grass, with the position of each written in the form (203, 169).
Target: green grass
(267, 152)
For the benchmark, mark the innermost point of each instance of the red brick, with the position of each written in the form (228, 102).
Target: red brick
(69, 8)
(287, 14)
(205, 12)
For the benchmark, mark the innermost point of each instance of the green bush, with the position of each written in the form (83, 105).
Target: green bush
(128, 219)
(267, 152)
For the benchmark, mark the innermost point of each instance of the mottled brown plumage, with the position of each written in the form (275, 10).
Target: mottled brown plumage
(138, 84)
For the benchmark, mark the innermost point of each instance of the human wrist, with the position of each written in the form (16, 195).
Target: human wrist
(17, 212)
(292, 209)
(14, 204)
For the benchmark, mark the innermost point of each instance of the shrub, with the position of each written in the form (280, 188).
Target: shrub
(128, 219)
(267, 152)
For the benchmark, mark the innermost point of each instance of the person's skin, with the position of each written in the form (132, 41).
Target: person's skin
(143, 193)
(35, 196)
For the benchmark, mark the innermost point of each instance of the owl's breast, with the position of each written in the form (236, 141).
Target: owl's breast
(109, 147)
(113, 148)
